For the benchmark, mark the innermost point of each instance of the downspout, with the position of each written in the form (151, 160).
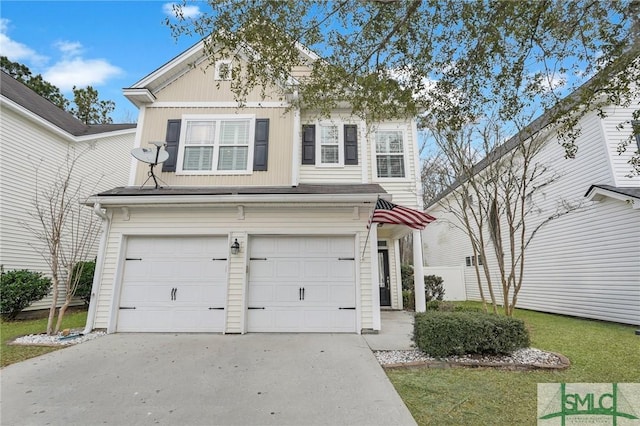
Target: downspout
(97, 276)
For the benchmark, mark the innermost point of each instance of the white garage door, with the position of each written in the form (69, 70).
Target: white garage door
(174, 284)
(301, 284)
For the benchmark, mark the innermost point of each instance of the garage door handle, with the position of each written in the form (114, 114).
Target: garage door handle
(353, 308)
(254, 307)
(257, 258)
(127, 307)
(216, 309)
(346, 258)
(219, 258)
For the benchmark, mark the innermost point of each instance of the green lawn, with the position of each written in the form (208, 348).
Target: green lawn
(598, 351)
(9, 330)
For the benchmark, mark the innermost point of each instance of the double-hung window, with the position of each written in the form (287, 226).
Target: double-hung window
(390, 154)
(329, 145)
(216, 145)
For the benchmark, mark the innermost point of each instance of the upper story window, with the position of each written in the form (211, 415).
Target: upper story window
(223, 70)
(390, 156)
(635, 127)
(330, 144)
(216, 145)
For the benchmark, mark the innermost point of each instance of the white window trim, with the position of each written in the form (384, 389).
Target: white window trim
(405, 155)
(216, 149)
(340, 126)
(216, 73)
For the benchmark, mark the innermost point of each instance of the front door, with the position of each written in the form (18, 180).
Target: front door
(383, 277)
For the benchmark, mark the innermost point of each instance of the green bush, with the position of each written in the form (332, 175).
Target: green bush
(408, 300)
(85, 281)
(19, 289)
(443, 306)
(433, 287)
(442, 334)
(406, 272)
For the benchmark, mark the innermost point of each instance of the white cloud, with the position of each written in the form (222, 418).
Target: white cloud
(80, 72)
(15, 51)
(187, 11)
(69, 48)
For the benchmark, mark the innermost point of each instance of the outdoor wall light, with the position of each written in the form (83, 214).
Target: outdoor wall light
(235, 247)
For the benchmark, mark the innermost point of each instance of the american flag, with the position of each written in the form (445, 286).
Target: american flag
(387, 212)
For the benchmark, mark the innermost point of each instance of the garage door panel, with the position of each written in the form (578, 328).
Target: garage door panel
(172, 284)
(281, 266)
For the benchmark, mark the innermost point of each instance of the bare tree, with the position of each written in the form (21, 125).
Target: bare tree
(67, 231)
(492, 201)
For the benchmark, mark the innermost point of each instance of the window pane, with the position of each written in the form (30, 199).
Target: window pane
(233, 158)
(390, 165)
(329, 154)
(329, 135)
(234, 133)
(197, 158)
(200, 132)
(389, 141)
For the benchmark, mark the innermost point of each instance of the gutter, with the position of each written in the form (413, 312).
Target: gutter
(97, 277)
(131, 200)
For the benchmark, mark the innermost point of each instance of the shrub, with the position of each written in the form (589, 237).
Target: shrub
(85, 281)
(19, 289)
(442, 334)
(408, 300)
(433, 287)
(443, 306)
(406, 272)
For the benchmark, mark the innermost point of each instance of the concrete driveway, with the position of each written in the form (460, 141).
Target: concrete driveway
(204, 379)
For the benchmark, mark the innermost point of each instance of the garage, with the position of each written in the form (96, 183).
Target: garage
(301, 284)
(172, 284)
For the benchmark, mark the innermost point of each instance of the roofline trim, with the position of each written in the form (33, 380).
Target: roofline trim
(596, 193)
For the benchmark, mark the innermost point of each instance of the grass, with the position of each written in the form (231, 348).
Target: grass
(9, 330)
(599, 352)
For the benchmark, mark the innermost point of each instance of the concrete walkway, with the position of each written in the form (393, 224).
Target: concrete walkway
(396, 333)
(204, 379)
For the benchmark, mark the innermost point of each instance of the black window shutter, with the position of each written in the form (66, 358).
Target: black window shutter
(350, 144)
(261, 145)
(172, 140)
(309, 144)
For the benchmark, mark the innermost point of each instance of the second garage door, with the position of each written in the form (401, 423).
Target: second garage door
(301, 284)
(174, 284)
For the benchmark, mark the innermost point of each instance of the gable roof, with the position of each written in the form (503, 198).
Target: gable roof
(143, 91)
(22, 95)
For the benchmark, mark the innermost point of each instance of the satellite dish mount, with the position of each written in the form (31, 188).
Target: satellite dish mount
(151, 157)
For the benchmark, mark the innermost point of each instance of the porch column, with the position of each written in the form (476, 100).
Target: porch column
(376, 320)
(418, 273)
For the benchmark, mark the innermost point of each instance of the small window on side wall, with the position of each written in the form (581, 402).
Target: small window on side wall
(223, 70)
(635, 126)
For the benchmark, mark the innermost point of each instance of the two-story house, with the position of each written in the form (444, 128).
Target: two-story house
(585, 263)
(36, 141)
(260, 220)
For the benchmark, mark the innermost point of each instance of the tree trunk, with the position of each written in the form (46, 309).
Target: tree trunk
(63, 309)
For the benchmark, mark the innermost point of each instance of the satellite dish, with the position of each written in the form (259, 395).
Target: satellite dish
(151, 156)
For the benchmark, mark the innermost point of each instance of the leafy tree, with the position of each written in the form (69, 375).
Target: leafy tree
(35, 82)
(458, 61)
(89, 108)
(20, 288)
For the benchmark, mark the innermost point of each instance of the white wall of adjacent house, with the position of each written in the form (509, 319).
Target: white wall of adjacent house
(586, 263)
(242, 224)
(30, 157)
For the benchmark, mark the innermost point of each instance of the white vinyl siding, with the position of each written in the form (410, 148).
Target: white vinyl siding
(258, 220)
(26, 146)
(586, 263)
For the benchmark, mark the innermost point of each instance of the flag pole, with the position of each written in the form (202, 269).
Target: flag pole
(369, 225)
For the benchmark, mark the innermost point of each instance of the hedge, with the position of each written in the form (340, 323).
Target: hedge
(441, 334)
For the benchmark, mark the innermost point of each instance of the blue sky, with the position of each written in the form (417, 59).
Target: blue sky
(106, 44)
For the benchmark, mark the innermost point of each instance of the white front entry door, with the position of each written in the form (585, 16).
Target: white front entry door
(301, 284)
(173, 284)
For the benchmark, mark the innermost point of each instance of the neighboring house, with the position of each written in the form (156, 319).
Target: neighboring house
(586, 263)
(292, 192)
(35, 139)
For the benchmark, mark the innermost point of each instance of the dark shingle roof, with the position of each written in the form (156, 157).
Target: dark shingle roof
(247, 190)
(624, 190)
(22, 95)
